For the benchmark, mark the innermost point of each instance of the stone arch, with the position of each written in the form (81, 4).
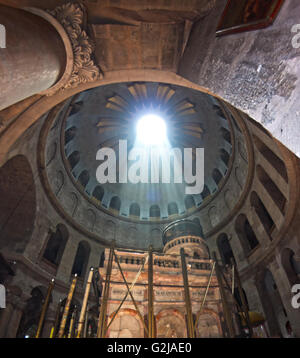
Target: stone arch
(209, 325)
(70, 134)
(81, 259)
(225, 156)
(217, 176)
(272, 189)
(276, 162)
(245, 233)
(263, 214)
(154, 211)
(170, 323)
(74, 159)
(76, 107)
(56, 245)
(17, 204)
(84, 178)
(134, 210)
(115, 204)
(226, 134)
(205, 192)
(225, 249)
(126, 324)
(98, 193)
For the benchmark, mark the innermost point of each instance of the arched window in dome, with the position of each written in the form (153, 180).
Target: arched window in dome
(225, 249)
(189, 202)
(218, 111)
(84, 178)
(76, 107)
(217, 176)
(154, 211)
(276, 195)
(56, 245)
(226, 134)
(81, 259)
(134, 210)
(74, 159)
(205, 192)
(262, 213)
(115, 203)
(225, 157)
(271, 157)
(245, 233)
(98, 193)
(172, 209)
(70, 134)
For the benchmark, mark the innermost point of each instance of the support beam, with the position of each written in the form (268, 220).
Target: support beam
(226, 310)
(242, 296)
(103, 309)
(151, 321)
(188, 305)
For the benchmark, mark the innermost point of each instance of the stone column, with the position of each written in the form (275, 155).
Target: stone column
(67, 260)
(34, 58)
(45, 52)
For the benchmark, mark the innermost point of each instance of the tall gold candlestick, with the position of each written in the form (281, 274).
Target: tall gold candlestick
(67, 307)
(44, 309)
(84, 303)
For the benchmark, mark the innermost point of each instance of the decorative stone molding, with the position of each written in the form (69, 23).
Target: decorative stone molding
(71, 17)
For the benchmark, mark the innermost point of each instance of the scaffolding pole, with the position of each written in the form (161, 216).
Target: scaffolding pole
(102, 316)
(151, 322)
(227, 314)
(189, 313)
(242, 296)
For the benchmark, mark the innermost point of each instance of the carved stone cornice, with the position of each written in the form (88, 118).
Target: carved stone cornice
(71, 16)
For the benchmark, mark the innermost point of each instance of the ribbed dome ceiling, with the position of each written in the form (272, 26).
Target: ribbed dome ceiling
(102, 116)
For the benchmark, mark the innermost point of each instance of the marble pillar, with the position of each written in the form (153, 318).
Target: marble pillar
(34, 58)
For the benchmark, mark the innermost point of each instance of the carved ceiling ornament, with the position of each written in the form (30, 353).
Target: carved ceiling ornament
(71, 17)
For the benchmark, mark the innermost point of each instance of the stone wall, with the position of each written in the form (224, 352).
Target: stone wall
(256, 71)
